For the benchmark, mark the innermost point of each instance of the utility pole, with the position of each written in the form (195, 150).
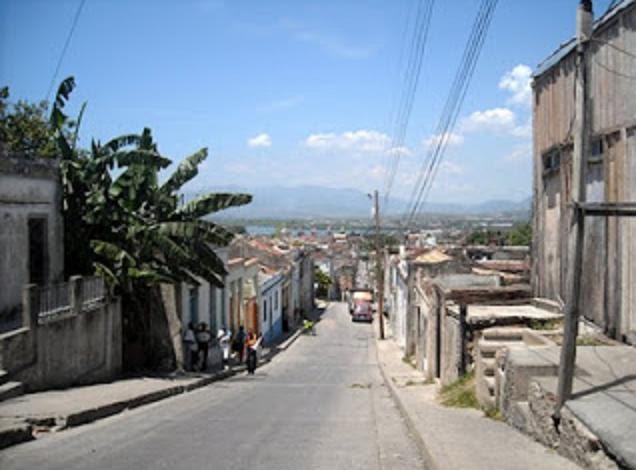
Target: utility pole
(379, 270)
(584, 20)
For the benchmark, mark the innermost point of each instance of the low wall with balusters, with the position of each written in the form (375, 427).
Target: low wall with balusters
(71, 334)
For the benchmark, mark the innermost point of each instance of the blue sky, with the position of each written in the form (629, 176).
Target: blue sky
(290, 92)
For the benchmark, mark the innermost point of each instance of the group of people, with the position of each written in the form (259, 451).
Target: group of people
(242, 346)
(197, 339)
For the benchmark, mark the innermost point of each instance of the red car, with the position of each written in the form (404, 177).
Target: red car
(362, 312)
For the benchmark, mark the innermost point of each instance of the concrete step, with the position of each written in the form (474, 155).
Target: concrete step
(4, 376)
(489, 366)
(490, 383)
(488, 402)
(488, 348)
(10, 390)
(503, 334)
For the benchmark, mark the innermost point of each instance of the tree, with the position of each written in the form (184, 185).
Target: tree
(127, 227)
(323, 280)
(521, 234)
(24, 129)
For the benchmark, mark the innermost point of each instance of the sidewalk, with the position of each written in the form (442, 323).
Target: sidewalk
(33, 415)
(457, 438)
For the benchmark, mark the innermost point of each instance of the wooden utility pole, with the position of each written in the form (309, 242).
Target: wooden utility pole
(584, 20)
(379, 269)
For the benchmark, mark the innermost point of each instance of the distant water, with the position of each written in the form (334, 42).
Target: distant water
(269, 230)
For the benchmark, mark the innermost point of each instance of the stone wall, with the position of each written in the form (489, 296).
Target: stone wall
(79, 344)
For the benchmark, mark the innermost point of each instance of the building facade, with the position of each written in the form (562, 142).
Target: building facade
(31, 228)
(609, 262)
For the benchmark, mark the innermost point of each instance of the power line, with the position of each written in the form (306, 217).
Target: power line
(451, 109)
(64, 49)
(411, 81)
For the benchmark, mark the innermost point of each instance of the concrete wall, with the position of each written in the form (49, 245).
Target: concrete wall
(28, 189)
(80, 344)
(452, 345)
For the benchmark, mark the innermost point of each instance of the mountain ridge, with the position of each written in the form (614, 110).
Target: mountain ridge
(310, 201)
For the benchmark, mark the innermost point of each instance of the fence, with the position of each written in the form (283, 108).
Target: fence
(53, 300)
(71, 297)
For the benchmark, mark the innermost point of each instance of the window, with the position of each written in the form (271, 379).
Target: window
(265, 310)
(552, 160)
(38, 250)
(213, 309)
(597, 149)
(194, 304)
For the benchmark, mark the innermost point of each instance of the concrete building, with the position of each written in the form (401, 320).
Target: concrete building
(31, 230)
(609, 262)
(297, 266)
(271, 305)
(241, 294)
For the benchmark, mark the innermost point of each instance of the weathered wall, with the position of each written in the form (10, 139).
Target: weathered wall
(28, 188)
(609, 273)
(451, 348)
(75, 347)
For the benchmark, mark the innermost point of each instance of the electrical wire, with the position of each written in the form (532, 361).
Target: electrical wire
(451, 110)
(411, 81)
(58, 66)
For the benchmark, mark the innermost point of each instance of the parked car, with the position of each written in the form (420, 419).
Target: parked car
(362, 312)
(357, 296)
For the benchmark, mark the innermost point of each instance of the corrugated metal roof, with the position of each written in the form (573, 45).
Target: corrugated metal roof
(569, 46)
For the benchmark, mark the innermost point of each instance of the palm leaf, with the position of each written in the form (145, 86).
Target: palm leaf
(211, 203)
(77, 125)
(58, 118)
(122, 141)
(202, 230)
(187, 170)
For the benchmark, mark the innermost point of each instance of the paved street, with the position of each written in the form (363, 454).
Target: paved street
(320, 404)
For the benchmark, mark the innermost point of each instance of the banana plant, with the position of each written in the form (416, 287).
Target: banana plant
(125, 225)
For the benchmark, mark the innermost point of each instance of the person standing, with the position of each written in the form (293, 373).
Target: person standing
(239, 343)
(203, 337)
(224, 336)
(252, 344)
(190, 347)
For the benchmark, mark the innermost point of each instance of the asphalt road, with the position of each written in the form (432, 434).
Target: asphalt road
(319, 405)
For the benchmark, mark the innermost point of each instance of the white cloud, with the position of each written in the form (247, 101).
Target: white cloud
(451, 139)
(399, 151)
(450, 168)
(493, 120)
(260, 140)
(518, 82)
(378, 172)
(519, 154)
(359, 142)
(524, 131)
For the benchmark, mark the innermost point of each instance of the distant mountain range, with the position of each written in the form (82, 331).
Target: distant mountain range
(321, 202)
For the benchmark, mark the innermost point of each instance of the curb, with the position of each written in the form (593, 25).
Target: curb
(410, 423)
(23, 431)
(289, 341)
(20, 432)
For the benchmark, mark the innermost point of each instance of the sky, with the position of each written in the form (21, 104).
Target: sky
(292, 93)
